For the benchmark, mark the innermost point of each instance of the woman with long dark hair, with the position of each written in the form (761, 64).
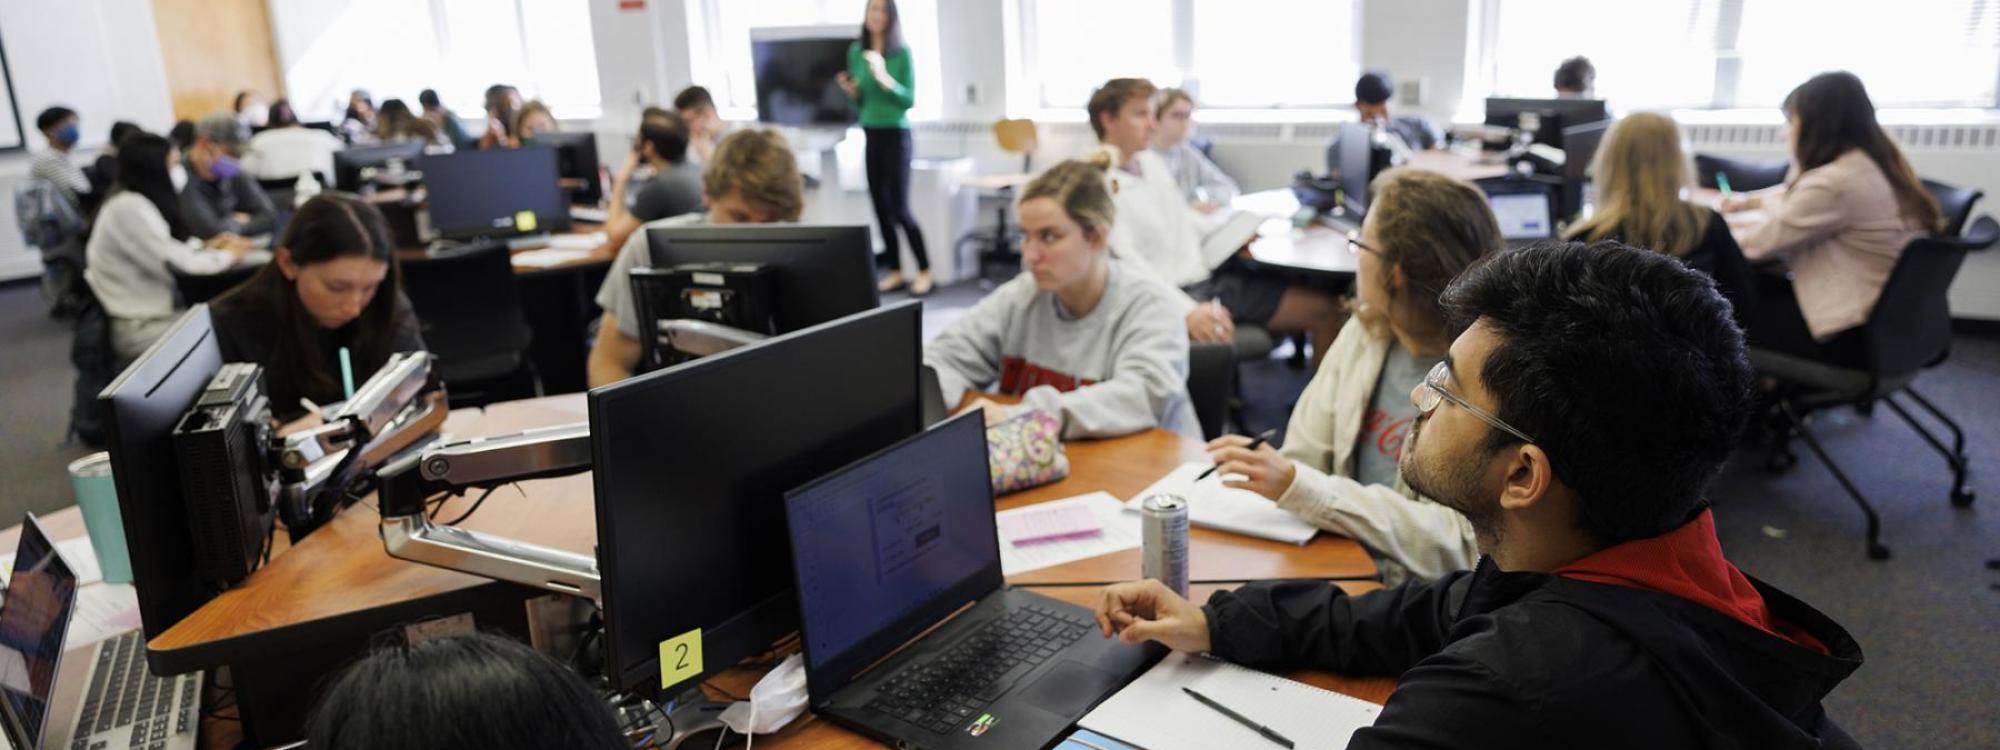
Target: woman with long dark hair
(137, 233)
(333, 285)
(1840, 222)
(879, 77)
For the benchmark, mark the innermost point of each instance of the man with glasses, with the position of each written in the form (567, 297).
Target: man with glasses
(1576, 423)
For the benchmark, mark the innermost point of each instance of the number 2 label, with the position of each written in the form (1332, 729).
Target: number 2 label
(680, 658)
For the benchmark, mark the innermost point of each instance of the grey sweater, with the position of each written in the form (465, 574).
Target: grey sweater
(1119, 370)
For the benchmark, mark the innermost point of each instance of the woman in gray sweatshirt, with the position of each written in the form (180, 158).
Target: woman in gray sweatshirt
(1099, 344)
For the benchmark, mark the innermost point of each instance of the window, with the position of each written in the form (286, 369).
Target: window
(722, 55)
(1074, 47)
(395, 49)
(1912, 53)
(1670, 64)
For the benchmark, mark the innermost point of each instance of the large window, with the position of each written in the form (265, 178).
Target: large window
(1244, 54)
(722, 30)
(397, 48)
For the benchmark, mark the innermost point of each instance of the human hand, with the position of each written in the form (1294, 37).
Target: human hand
(1209, 322)
(1738, 203)
(235, 245)
(847, 84)
(1205, 206)
(630, 165)
(1263, 470)
(995, 412)
(1147, 610)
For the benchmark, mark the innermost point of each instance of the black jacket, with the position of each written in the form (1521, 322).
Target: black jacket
(247, 330)
(1491, 659)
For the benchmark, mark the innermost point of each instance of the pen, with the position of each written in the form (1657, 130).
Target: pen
(1240, 718)
(1722, 183)
(1262, 438)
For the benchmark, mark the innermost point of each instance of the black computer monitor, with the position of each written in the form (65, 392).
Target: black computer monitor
(502, 192)
(141, 408)
(1555, 114)
(796, 75)
(348, 162)
(690, 467)
(824, 272)
(1579, 148)
(576, 165)
(1359, 159)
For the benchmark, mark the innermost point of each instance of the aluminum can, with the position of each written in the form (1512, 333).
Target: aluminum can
(1164, 540)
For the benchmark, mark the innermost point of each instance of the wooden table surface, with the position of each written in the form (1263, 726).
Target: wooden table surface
(601, 255)
(1321, 246)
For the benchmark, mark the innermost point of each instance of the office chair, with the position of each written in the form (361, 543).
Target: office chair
(1743, 175)
(1956, 202)
(1908, 331)
(196, 288)
(999, 244)
(469, 306)
(1211, 386)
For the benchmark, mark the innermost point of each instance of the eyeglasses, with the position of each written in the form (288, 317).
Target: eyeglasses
(1432, 392)
(1354, 244)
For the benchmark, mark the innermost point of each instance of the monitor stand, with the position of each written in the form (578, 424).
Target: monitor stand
(695, 718)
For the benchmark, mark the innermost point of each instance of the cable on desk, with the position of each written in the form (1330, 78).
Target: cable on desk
(475, 507)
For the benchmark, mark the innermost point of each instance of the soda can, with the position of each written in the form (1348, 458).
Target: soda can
(1164, 539)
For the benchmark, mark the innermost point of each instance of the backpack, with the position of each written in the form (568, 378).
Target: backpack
(49, 218)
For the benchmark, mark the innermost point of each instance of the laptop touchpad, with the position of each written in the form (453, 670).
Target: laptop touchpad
(1068, 688)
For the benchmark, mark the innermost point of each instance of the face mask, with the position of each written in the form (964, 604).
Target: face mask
(776, 700)
(67, 135)
(179, 175)
(256, 115)
(225, 168)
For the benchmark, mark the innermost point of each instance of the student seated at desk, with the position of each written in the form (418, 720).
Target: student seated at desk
(1638, 177)
(287, 149)
(332, 285)
(357, 125)
(1339, 468)
(1576, 78)
(1092, 340)
(1407, 133)
(467, 692)
(1158, 228)
(220, 198)
(397, 124)
(754, 179)
(533, 118)
(673, 189)
(104, 171)
(706, 128)
(446, 122)
(1204, 185)
(137, 234)
(1841, 222)
(1577, 422)
(502, 101)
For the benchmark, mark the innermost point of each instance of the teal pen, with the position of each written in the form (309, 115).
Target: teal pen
(1722, 183)
(347, 372)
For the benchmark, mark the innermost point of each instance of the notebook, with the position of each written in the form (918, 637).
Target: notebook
(1213, 506)
(1223, 233)
(1153, 713)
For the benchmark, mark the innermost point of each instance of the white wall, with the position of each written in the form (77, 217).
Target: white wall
(98, 57)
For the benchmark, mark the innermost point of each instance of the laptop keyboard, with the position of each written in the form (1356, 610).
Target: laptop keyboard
(948, 691)
(123, 692)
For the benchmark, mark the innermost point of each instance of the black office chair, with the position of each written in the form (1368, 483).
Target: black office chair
(196, 288)
(1743, 175)
(1211, 386)
(1956, 202)
(1908, 332)
(470, 309)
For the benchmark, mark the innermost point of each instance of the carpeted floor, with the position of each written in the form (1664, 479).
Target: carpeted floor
(1926, 618)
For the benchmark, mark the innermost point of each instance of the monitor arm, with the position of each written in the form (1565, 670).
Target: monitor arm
(416, 474)
(321, 468)
(701, 338)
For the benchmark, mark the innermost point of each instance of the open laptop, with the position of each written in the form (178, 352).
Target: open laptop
(1526, 209)
(106, 698)
(904, 542)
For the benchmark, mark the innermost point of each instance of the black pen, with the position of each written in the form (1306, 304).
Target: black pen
(1240, 718)
(1254, 445)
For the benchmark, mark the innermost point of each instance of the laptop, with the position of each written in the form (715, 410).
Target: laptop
(101, 697)
(1526, 210)
(911, 637)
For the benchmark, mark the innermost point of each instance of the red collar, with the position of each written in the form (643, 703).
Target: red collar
(1687, 562)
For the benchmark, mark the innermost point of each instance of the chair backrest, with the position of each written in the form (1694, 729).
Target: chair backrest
(1910, 327)
(1017, 137)
(1956, 202)
(1743, 175)
(468, 303)
(1211, 382)
(196, 288)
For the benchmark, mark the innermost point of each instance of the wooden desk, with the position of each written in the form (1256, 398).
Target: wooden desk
(1320, 248)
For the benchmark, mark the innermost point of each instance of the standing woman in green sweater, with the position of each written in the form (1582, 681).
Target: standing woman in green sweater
(879, 77)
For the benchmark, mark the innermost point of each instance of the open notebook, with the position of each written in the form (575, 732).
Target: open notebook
(1153, 713)
(1213, 506)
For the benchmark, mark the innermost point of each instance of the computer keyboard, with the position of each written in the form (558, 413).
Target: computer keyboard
(948, 691)
(123, 692)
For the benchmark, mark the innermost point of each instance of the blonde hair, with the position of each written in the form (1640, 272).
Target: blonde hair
(532, 108)
(1080, 188)
(1639, 174)
(760, 165)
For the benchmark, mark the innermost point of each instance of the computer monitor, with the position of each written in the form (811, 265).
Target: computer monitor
(824, 272)
(1554, 114)
(1579, 148)
(141, 407)
(348, 162)
(576, 165)
(1359, 159)
(1525, 208)
(797, 75)
(502, 192)
(691, 464)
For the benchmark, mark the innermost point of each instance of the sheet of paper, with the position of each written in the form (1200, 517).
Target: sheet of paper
(102, 611)
(550, 256)
(1154, 713)
(1213, 506)
(77, 552)
(1121, 532)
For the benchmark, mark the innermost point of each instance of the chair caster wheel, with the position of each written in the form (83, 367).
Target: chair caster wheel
(1962, 498)
(1878, 552)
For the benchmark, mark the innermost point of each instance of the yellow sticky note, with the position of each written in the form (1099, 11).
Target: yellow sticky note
(680, 658)
(524, 221)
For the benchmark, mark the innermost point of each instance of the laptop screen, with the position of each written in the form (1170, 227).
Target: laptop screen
(1523, 216)
(41, 593)
(886, 547)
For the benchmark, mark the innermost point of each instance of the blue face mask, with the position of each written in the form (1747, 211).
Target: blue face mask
(68, 135)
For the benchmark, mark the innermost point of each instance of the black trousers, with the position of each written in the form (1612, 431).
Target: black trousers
(888, 164)
(1779, 325)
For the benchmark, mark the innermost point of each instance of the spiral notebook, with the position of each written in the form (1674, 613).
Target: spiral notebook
(1213, 506)
(1154, 713)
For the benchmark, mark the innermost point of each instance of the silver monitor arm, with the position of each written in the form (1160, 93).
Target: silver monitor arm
(411, 477)
(321, 468)
(701, 338)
